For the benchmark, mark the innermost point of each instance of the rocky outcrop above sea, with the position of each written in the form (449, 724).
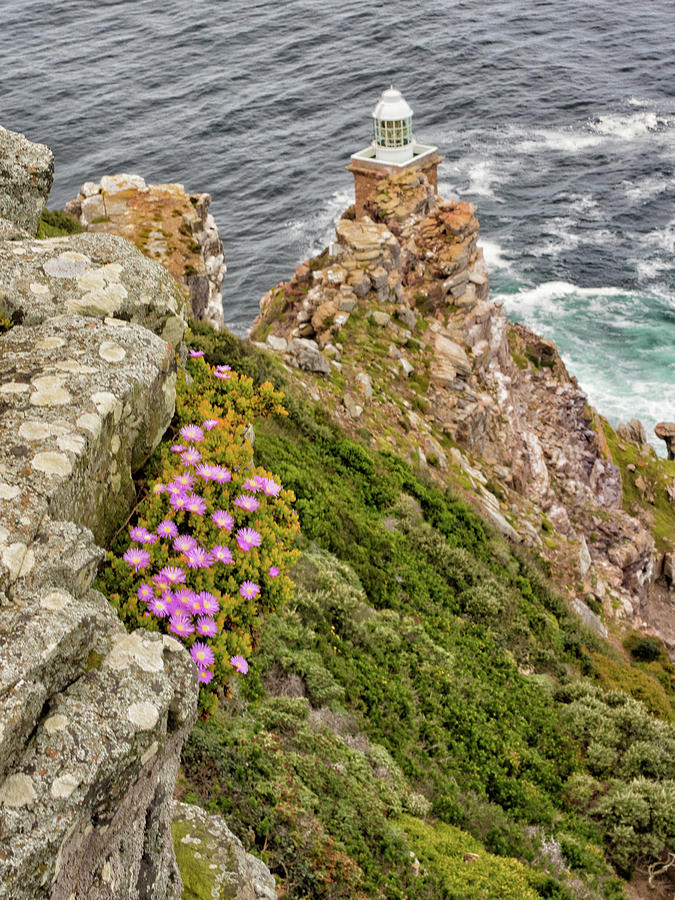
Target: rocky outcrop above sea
(92, 719)
(166, 224)
(393, 326)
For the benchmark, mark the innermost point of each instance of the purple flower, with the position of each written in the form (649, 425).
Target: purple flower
(202, 654)
(270, 487)
(220, 474)
(172, 575)
(249, 590)
(184, 543)
(175, 489)
(245, 501)
(252, 484)
(142, 535)
(223, 519)
(205, 472)
(184, 598)
(195, 504)
(192, 433)
(239, 663)
(177, 448)
(178, 501)
(184, 480)
(221, 554)
(160, 607)
(159, 488)
(167, 529)
(223, 372)
(191, 457)
(205, 676)
(208, 424)
(247, 538)
(209, 603)
(273, 572)
(137, 559)
(196, 353)
(206, 626)
(181, 625)
(145, 592)
(199, 558)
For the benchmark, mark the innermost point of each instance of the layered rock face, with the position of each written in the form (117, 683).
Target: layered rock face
(393, 323)
(92, 719)
(166, 224)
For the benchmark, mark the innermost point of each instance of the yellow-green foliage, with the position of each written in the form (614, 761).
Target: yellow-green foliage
(55, 223)
(613, 675)
(198, 879)
(657, 473)
(442, 849)
(234, 402)
(5, 324)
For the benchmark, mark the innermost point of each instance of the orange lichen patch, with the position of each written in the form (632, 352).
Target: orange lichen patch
(159, 221)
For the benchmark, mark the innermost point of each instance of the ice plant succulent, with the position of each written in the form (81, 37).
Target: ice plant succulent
(187, 577)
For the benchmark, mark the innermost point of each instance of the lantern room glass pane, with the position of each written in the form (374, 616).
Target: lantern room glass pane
(393, 133)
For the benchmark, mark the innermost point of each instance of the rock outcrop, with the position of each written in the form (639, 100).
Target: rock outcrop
(168, 225)
(26, 175)
(213, 860)
(92, 719)
(402, 299)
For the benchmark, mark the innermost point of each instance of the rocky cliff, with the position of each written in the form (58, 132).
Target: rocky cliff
(167, 225)
(92, 719)
(393, 326)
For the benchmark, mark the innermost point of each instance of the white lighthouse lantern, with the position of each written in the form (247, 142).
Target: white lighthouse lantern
(392, 127)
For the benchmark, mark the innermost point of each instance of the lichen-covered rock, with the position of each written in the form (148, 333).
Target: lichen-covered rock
(85, 402)
(26, 175)
(98, 275)
(168, 225)
(92, 719)
(213, 862)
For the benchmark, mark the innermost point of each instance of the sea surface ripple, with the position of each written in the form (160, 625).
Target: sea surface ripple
(556, 118)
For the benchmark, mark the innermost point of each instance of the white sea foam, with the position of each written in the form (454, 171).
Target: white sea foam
(482, 176)
(648, 187)
(493, 255)
(628, 127)
(315, 232)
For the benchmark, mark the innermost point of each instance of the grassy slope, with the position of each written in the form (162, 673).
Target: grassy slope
(408, 643)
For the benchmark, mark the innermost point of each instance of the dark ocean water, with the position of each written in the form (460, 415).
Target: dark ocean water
(556, 118)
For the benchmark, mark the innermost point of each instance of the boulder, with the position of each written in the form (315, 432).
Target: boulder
(98, 275)
(213, 860)
(26, 175)
(588, 617)
(305, 354)
(632, 431)
(666, 432)
(449, 360)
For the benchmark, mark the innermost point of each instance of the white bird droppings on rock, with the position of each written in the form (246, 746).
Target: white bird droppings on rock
(17, 790)
(105, 403)
(55, 600)
(73, 442)
(18, 559)
(14, 387)
(143, 715)
(39, 289)
(150, 752)
(34, 431)
(91, 422)
(8, 491)
(111, 352)
(69, 264)
(49, 391)
(132, 649)
(55, 723)
(50, 343)
(52, 463)
(71, 365)
(63, 786)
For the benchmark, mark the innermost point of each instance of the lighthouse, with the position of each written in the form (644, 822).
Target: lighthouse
(393, 149)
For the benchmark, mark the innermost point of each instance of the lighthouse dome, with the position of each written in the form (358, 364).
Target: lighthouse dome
(392, 127)
(391, 106)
